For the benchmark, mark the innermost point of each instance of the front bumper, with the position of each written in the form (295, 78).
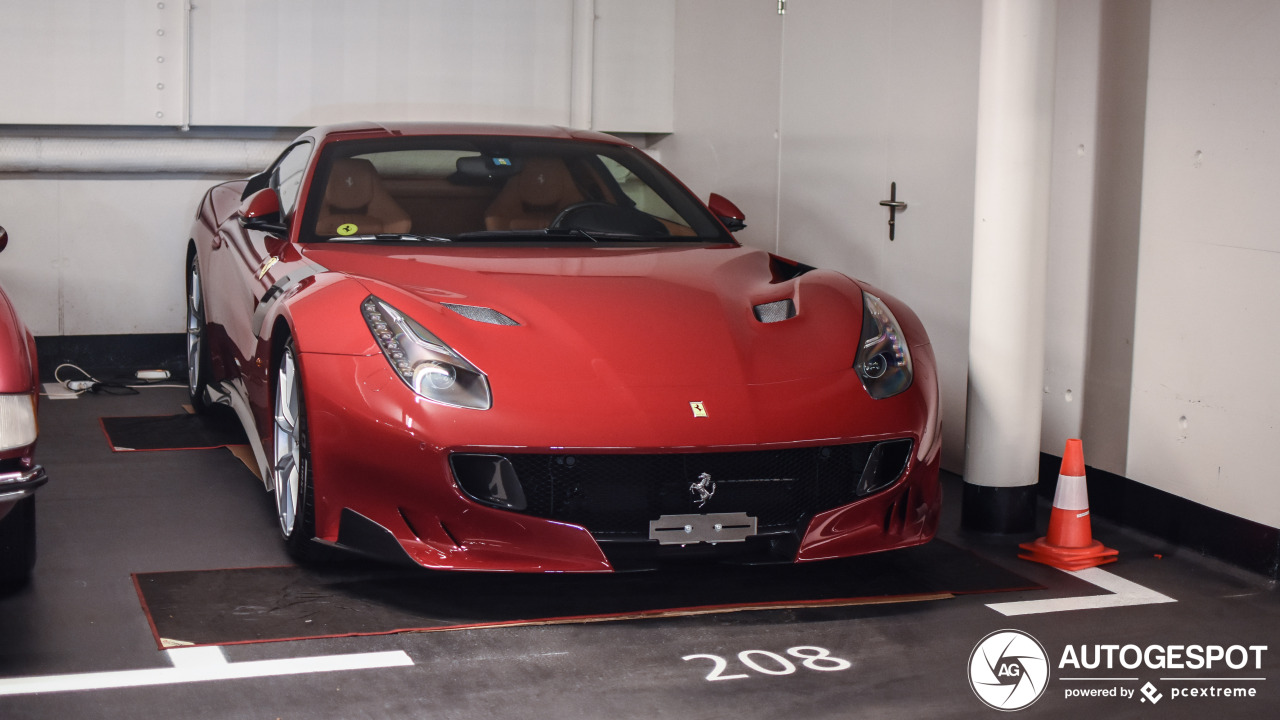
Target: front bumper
(382, 476)
(903, 515)
(19, 484)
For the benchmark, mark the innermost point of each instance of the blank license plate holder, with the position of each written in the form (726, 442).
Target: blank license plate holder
(712, 528)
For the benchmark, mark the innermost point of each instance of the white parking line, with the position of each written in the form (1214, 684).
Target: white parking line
(1125, 593)
(201, 665)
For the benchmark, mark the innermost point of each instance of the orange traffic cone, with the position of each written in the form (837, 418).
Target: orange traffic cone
(1070, 544)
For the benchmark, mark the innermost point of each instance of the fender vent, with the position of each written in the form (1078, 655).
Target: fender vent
(776, 311)
(481, 314)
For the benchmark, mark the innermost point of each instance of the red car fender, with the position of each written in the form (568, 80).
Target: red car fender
(17, 347)
(19, 373)
(322, 315)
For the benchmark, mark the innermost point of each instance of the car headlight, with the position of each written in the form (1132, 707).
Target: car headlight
(883, 362)
(423, 361)
(17, 421)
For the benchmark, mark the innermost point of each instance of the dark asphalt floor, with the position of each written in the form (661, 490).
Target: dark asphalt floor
(104, 516)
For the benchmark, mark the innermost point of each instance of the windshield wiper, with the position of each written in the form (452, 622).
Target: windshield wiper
(525, 235)
(390, 237)
(570, 232)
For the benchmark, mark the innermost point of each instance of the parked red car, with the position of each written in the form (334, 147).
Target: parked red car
(481, 347)
(19, 475)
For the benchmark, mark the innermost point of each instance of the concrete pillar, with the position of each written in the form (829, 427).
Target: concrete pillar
(1011, 228)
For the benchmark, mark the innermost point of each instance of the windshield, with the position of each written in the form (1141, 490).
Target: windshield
(459, 189)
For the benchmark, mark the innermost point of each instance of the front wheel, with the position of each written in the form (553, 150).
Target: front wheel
(291, 479)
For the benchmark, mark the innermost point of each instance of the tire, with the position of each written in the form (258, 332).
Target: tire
(291, 476)
(197, 338)
(18, 543)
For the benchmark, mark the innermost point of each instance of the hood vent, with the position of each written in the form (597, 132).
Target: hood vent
(784, 269)
(481, 314)
(776, 311)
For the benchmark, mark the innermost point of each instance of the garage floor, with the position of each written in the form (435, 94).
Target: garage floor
(76, 644)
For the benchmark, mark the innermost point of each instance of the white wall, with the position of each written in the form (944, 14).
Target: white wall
(633, 67)
(84, 257)
(117, 62)
(297, 63)
(1205, 417)
(95, 253)
(1100, 107)
(1071, 225)
(728, 69)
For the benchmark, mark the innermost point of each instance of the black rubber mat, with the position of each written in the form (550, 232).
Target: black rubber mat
(217, 607)
(173, 432)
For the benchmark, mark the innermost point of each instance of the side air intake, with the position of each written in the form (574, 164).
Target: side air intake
(481, 314)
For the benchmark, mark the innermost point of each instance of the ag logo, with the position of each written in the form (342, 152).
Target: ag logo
(1008, 670)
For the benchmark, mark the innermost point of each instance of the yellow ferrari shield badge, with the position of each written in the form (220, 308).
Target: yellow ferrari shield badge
(699, 410)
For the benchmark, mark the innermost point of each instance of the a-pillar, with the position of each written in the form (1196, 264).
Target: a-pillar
(1011, 228)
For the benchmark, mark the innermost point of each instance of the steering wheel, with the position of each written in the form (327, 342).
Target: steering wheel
(564, 217)
(607, 218)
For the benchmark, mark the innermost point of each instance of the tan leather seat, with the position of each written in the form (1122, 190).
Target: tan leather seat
(532, 199)
(355, 197)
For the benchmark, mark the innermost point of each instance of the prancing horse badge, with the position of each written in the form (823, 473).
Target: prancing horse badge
(702, 490)
(699, 410)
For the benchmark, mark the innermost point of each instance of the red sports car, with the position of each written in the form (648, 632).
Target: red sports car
(19, 475)
(480, 347)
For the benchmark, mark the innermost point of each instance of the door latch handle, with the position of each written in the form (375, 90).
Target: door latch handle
(894, 205)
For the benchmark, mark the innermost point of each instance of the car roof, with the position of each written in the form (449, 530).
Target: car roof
(419, 129)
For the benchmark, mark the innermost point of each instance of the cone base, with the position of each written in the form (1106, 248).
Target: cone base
(1068, 558)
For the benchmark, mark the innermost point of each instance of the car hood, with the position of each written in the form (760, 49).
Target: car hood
(637, 316)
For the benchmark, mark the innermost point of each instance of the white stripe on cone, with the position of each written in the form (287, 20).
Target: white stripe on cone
(1072, 493)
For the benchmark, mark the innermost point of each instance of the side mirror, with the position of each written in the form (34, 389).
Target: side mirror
(727, 212)
(261, 211)
(4, 239)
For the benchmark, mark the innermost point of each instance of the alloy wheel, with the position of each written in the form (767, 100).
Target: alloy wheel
(289, 461)
(195, 329)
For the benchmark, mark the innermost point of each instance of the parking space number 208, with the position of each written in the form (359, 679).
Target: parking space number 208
(765, 662)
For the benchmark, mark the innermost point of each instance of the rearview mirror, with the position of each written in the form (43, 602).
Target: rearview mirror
(727, 212)
(261, 211)
(4, 239)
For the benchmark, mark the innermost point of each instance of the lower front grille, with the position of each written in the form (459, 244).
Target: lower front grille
(615, 496)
